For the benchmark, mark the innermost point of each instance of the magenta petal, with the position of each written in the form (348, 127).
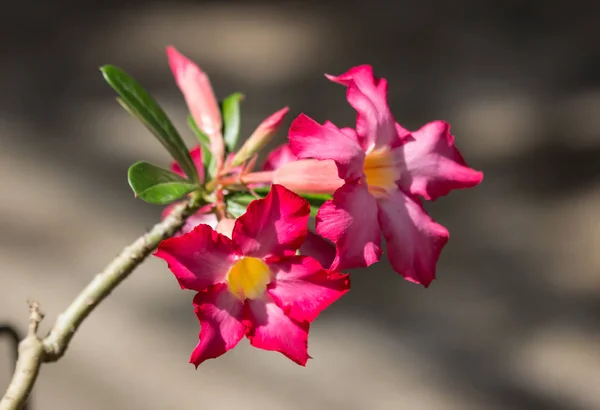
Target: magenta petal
(198, 259)
(279, 157)
(367, 94)
(434, 166)
(350, 221)
(220, 314)
(414, 240)
(309, 139)
(273, 330)
(196, 154)
(303, 289)
(319, 248)
(273, 226)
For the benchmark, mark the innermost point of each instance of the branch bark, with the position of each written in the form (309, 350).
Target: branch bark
(33, 351)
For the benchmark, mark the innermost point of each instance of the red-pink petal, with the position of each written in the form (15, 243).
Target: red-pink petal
(198, 259)
(273, 226)
(350, 221)
(414, 239)
(279, 157)
(319, 248)
(309, 139)
(303, 289)
(434, 166)
(200, 99)
(271, 329)
(367, 94)
(221, 319)
(196, 154)
(309, 176)
(203, 215)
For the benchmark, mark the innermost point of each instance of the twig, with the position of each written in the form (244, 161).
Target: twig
(15, 336)
(33, 351)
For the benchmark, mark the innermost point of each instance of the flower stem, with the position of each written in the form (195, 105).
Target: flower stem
(34, 351)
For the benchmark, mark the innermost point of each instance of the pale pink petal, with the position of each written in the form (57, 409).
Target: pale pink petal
(350, 221)
(221, 319)
(414, 240)
(279, 157)
(225, 227)
(309, 176)
(200, 99)
(319, 248)
(203, 215)
(196, 154)
(434, 166)
(367, 94)
(271, 329)
(198, 259)
(273, 226)
(309, 139)
(303, 289)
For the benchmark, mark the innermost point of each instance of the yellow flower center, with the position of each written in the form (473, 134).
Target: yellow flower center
(380, 171)
(248, 278)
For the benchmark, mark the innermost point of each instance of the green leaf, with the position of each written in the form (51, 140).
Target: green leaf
(141, 105)
(316, 199)
(230, 111)
(210, 164)
(240, 201)
(157, 185)
(237, 209)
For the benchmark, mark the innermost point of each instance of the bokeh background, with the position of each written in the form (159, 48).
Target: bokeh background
(513, 322)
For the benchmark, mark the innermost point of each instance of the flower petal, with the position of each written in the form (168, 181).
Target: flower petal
(319, 248)
(272, 330)
(221, 319)
(309, 176)
(203, 215)
(196, 154)
(200, 99)
(309, 139)
(303, 289)
(434, 166)
(279, 157)
(350, 221)
(273, 226)
(198, 259)
(225, 227)
(414, 240)
(367, 94)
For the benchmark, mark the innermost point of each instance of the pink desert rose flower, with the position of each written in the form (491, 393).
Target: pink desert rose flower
(385, 168)
(254, 284)
(200, 99)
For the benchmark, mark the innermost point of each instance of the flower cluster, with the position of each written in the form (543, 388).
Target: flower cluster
(256, 268)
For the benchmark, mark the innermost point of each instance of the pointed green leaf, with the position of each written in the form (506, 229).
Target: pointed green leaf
(239, 202)
(140, 104)
(157, 185)
(313, 199)
(230, 110)
(210, 164)
(237, 209)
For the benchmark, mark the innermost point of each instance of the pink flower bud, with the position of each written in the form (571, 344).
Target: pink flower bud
(200, 99)
(261, 136)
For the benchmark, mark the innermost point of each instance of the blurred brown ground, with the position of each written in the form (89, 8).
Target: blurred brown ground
(513, 321)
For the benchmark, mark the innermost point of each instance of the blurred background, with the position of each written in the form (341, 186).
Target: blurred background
(513, 321)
